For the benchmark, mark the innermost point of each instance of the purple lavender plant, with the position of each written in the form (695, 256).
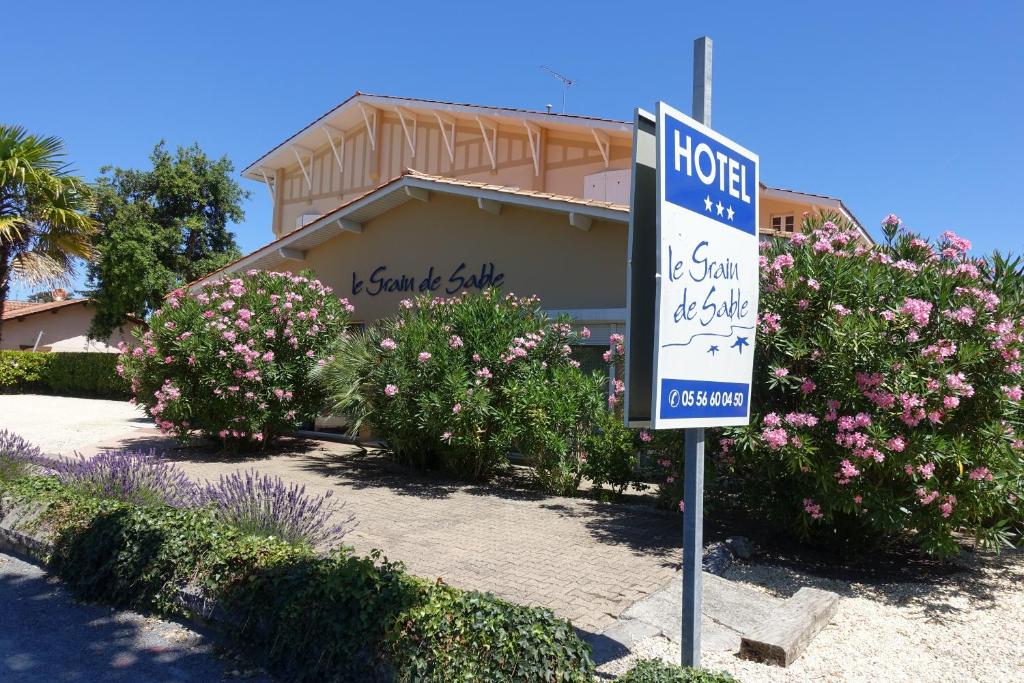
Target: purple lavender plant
(17, 456)
(130, 476)
(262, 505)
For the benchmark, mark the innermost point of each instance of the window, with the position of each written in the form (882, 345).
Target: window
(785, 223)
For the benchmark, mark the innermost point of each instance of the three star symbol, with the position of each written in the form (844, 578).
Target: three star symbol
(720, 208)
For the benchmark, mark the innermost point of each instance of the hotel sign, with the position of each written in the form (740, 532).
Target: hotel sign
(706, 289)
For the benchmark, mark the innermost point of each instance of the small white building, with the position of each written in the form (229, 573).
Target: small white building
(61, 325)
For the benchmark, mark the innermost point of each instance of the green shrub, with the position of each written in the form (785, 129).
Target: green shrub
(887, 391)
(657, 671)
(338, 617)
(232, 362)
(460, 636)
(22, 371)
(85, 374)
(458, 383)
(91, 375)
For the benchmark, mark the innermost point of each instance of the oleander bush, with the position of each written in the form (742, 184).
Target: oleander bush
(459, 383)
(334, 617)
(233, 361)
(887, 390)
(657, 671)
(91, 375)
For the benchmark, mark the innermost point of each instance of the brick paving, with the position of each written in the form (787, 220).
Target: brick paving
(586, 560)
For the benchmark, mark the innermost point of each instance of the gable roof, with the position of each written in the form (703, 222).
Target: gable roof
(833, 203)
(21, 309)
(410, 186)
(351, 113)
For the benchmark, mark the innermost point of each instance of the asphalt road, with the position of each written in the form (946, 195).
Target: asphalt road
(48, 637)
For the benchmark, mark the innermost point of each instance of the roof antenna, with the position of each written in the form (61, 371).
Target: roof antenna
(565, 80)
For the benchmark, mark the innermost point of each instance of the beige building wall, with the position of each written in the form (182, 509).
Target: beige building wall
(772, 206)
(64, 329)
(537, 253)
(564, 160)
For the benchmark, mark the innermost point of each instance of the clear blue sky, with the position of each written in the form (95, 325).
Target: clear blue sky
(913, 108)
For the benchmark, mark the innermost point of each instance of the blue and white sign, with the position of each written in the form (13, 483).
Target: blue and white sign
(707, 291)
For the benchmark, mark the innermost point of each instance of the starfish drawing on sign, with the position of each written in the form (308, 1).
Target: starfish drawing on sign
(713, 350)
(739, 344)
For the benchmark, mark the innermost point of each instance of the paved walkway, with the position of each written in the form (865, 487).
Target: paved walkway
(46, 636)
(587, 561)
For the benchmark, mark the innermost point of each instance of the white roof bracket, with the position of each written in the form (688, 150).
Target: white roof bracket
(417, 193)
(308, 175)
(489, 205)
(269, 183)
(580, 221)
(349, 226)
(489, 130)
(410, 139)
(449, 140)
(370, 119)
(533, 137)
(604, 145)
(291, 254)
(338, 156)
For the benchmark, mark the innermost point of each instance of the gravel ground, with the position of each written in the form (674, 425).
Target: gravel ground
(968, 626)
(46, 636)
(80, 422)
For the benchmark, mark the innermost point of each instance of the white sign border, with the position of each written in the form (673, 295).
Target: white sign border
(662, 109)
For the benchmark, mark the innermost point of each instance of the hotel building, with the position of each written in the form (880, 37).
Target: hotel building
(387, 197)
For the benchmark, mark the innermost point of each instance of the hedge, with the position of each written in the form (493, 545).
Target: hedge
(91, 375)
(335, 617)
(657, 671)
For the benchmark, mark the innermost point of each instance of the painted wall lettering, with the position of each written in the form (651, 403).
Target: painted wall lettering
(380, 281)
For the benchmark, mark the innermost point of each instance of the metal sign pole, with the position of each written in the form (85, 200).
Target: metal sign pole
(693, 487)
(693, 544)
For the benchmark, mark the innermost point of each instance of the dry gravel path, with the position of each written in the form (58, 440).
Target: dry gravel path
(968, 626)
(62, 425)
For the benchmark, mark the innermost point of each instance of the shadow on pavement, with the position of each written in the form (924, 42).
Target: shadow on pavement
(47, 636)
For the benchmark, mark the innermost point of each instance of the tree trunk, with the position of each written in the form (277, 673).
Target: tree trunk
(5, 284)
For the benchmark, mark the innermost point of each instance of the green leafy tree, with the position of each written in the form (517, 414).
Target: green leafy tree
(44, 211)
(161, 228)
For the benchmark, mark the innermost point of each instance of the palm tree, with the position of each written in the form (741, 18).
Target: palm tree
(44, 211)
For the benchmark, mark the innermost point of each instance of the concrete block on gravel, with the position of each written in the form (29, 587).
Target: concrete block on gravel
(784, 635)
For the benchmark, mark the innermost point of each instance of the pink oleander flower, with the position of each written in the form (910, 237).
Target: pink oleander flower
(775, 438)
(781, 372)
(585, 333)
(645, 436)
(812, 508)
(388, 344)
(455, 342)
(947, 506)
(897, 444)
(980, 474)
(1013, 393)
(457, 408)
(918, 310)
(846, 472)
(390, 390)
(808, 386)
